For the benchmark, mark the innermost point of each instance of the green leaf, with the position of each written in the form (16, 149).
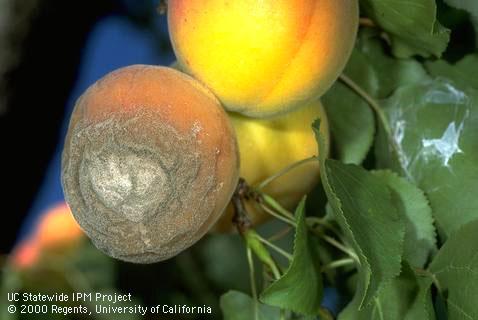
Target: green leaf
(456, 269)
(407, 297)
(10, 282)
(228, 269)
(300, 288)
(351, 120)
(389, 73)
(434, 128)
(90, 268)
(412, 26)
(463, 73)
(236, 305)
(364, 209)
(367, 207)
(411, 202)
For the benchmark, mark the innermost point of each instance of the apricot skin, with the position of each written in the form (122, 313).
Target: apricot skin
(56, 231)
(149, 164)
(263, 58)
(269, 145)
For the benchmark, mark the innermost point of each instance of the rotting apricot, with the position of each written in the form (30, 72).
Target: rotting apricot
(263, 58)
(149, 164)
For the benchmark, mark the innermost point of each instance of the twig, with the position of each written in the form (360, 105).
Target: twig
(240, 218)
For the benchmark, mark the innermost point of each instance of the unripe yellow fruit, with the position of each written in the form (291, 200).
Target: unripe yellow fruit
(263, 58)
(266, 146)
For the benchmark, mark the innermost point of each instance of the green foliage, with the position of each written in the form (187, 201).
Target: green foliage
(434, 129)
(406, 297)
(232, 269)
(351, 119)
(463, 73)
(300, 288)
(411, 26)
(239, 306)
(364, 209)
(455, 269)
(412, 204)
(387, 73)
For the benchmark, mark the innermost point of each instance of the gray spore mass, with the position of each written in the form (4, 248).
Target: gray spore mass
(134, 184)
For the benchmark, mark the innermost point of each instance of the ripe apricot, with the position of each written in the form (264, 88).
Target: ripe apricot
(149, 164)
(56, 231)
(262, 58)
(267, 146)
(25, 254)
(57, 227)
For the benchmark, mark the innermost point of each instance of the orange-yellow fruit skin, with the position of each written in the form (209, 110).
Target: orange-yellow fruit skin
(263, 58)
(58, 227)
(267, 146)
(25, 255)
(56, 231)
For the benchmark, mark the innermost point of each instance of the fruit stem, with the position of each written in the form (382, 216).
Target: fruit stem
(338, 263)
(271, 202)
(252, 279)
(341, 247)
(244, 227)
(274, 247)
(312, 222)
(285, 170)
(279, 235)
(426, 273)
(253, 242)
(276, 215)
(240, 219)
(366, 22)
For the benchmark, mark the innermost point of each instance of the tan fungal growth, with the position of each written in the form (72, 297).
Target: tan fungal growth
(149, 164)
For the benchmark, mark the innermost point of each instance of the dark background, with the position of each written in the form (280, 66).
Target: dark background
(53, 50)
